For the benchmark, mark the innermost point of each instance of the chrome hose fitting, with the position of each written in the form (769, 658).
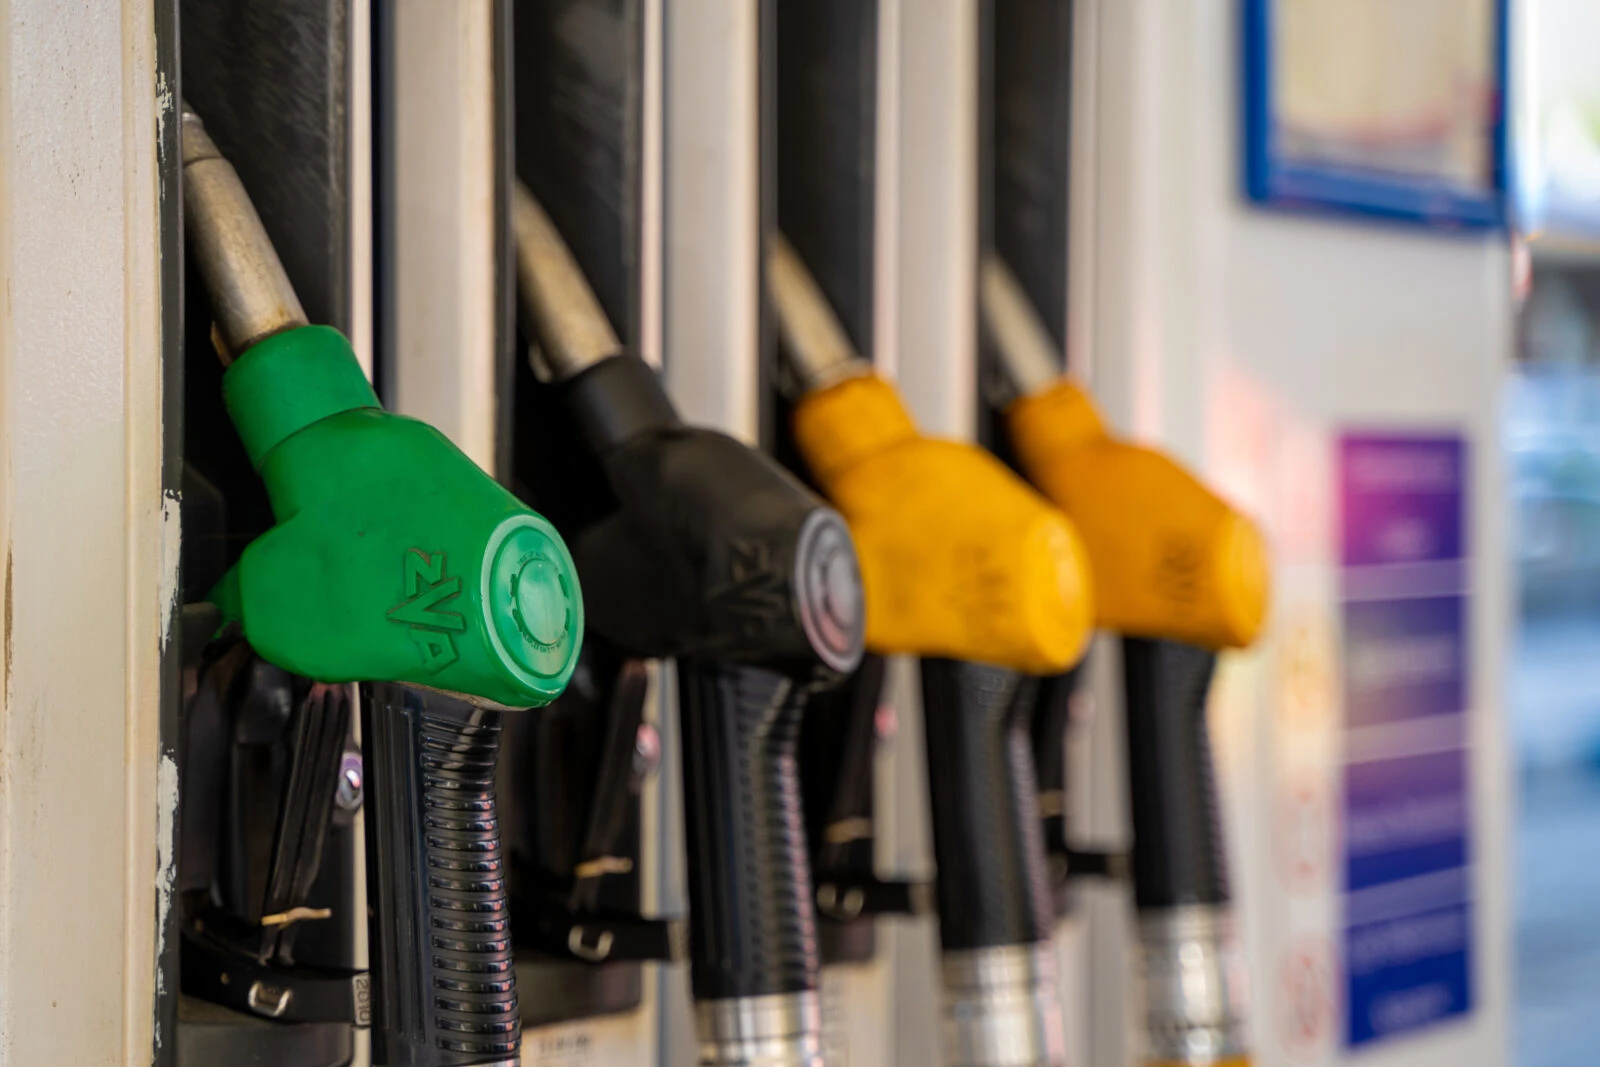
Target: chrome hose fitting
(778, 1030)
(1194, 986)
(1001, 1007)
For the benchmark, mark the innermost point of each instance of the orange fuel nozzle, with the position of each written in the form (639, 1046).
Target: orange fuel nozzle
(1170, 558)
(959, 557)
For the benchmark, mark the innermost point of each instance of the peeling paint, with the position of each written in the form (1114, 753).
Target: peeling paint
(166, 856)
(171, 552)
(165, 110)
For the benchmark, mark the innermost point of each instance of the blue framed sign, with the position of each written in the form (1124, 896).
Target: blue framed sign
(1381, 108)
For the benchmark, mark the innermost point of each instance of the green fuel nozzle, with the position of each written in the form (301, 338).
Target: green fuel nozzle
(397, 563)
(395, 558)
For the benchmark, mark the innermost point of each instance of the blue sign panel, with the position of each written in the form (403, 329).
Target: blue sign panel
(1407, 940)
(1394, 110)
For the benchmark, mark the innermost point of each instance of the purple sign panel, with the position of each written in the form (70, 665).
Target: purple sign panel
(1403, 659)
(1401, 499)
(1407, 944)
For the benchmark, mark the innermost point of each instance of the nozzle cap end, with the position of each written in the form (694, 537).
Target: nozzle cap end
(1059, 604)
(1243, 579)
(532, 605)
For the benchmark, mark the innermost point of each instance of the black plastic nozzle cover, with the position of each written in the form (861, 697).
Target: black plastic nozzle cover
(703, 549)
(444, 988)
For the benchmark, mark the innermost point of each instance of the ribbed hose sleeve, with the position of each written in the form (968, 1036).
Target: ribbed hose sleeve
(752, 919)
(993, 884)
(444, 991)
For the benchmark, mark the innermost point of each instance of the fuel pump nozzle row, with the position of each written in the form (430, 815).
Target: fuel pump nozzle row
(704, 550)
(964, 564)
(398, 564)
(1179, 575)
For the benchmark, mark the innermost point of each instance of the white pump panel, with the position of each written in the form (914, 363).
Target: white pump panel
(1250, 343)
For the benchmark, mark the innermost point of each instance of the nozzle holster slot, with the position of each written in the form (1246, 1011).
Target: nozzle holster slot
(838, 742)
(1052, 720)
(578, 763)
(261, 757)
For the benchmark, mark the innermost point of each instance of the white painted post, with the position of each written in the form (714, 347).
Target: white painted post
(88, 547)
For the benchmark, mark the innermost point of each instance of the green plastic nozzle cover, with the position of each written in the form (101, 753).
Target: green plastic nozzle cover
(395, 558)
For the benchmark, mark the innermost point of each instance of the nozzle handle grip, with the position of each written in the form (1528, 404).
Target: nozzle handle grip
(752, 920)
(1178, 857)
(992, 882)
(443, 987)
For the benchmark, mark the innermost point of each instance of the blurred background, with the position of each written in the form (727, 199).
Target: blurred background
(1551, 420)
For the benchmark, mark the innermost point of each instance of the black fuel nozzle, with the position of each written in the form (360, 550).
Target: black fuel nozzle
(704, 550)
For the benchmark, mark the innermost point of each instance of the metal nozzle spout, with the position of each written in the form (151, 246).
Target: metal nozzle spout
(559, 309)
(818, 349)
(1026, 351)
(1001, 1007)
(251, 297)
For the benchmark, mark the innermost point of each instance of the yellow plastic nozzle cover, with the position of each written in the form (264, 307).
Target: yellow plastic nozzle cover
(959, 557)
(1170, 558)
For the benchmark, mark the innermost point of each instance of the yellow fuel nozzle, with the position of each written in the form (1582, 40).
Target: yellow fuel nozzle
(1170, 558)
(959, 557)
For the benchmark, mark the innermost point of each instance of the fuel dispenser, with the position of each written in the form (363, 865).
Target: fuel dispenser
(329, 721)
(1179, 575)
(703, 550)
(398, 578)
(965, 566)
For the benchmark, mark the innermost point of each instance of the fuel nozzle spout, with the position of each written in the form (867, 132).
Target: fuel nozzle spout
(705, 550)
(966, 566)
(819, 351)
(558, 308)
(1180, 575)
(397, 563)
(251, 296)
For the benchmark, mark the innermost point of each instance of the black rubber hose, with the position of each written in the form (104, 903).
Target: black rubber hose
(443, 988)
(992, 883)
(1178, 856)
(753, 928)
